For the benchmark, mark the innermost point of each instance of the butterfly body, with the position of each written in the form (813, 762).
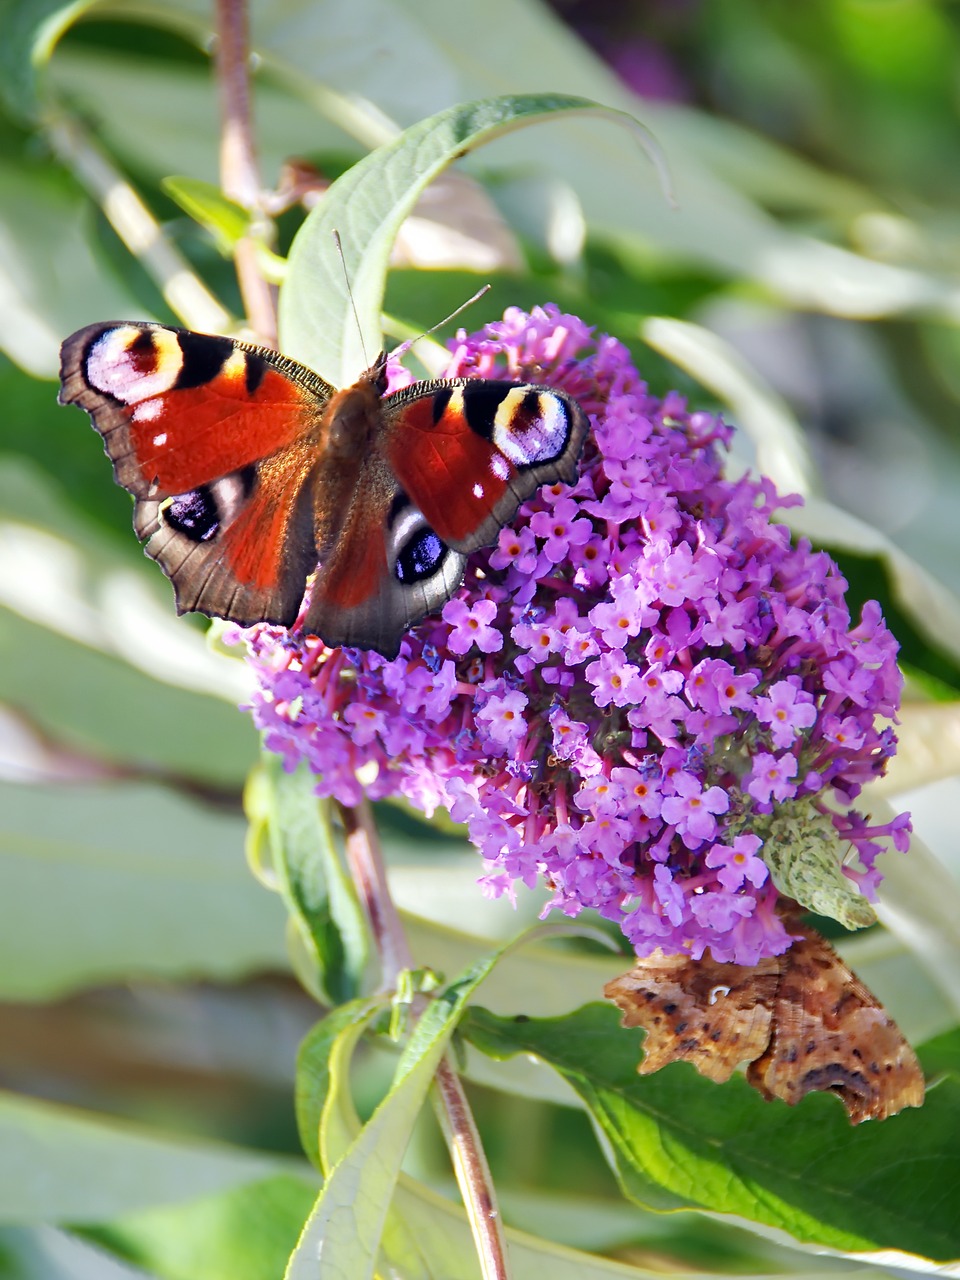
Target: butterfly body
(250, 473)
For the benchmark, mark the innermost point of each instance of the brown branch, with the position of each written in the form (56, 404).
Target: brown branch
(365, 859)
(239, 175)
(472, 1171)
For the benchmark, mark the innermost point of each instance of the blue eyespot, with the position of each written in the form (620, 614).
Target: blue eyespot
(420, 556)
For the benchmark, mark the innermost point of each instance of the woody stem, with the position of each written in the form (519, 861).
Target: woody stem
(365, 860)
(239, 175)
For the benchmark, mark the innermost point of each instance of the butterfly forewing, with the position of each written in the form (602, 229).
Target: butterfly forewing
(472, 450)
(178, 409)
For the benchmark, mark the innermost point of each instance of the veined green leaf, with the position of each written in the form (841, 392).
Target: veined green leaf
(680, 1141)
(325, 1115)
(351, 1211)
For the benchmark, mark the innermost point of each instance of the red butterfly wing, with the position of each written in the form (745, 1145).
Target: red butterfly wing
(178, 409)
(216, 440)
(248, 470)
(471, 451)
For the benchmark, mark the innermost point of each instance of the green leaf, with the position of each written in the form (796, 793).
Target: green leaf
(94, 702)
(679, 1140)
(804, 853)
(59, 1164)
(226, 221)
(923, 614)
(244, 1233)
(310, 875)
(169, 123)
(323, 1072)
(783, 451)
(103, 883)
(941, 1055)
(42, 1253)
(351, 1211)
(366, 206)
(449, 52)
(69, 457)
(30, 29)
(444, 1246)
(88, 646)
(921, 905)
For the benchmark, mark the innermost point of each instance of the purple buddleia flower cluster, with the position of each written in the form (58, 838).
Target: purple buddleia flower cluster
(627, 688)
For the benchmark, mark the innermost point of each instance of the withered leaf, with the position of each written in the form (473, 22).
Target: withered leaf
(803, 1021)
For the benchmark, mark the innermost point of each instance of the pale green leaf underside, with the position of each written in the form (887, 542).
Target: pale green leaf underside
(366, 207)
(312, 880)
(351, 1211)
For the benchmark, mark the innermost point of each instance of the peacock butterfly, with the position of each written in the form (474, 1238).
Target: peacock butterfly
(250, 473)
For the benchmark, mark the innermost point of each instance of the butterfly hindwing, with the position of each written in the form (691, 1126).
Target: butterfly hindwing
(386, 570)
(831, 1032)
(240, 547)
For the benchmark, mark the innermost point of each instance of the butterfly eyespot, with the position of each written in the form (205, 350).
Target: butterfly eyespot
(195, 514)
(420, 556)
(130, 365)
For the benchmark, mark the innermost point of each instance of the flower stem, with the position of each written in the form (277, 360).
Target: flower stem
(365, 860)
(240, 181)
(472, 1171)
(239, 175)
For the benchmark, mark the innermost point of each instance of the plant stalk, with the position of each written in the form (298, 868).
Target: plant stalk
(239, 175)
(365, 859)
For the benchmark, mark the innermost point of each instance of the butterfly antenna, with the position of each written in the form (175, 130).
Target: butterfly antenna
(353, 305)
(405, 346)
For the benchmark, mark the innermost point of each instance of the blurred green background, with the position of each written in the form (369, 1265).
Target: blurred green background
(807, 282)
